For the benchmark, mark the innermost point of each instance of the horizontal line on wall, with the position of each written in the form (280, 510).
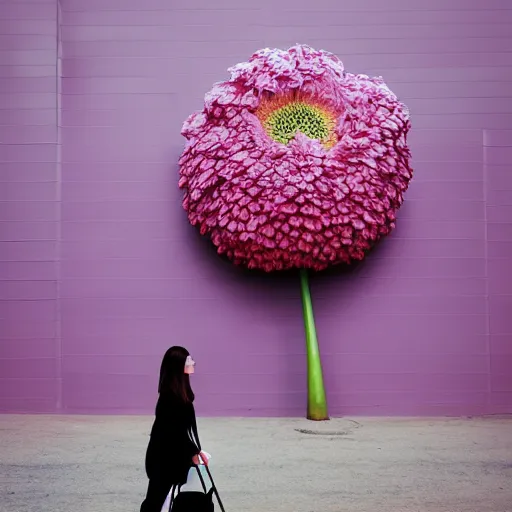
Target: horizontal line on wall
(171, 179)
(4, 280)
(164, 220)
(178, 201)
(127, 78)
(178, 75)
(39, 339)
(39, 161)
(149, 260)
(206, 42)
(227, 55)
(30, 300)
(114, 50)
(174, 298)
(324, 39)
(99, 260)
(171, 279)
(200, 96)
(25, 144)
(414, 352)
(259, 23)
(223, 57)
(298, 315)
(436, 130)
(14, 75)
(166, 299)
(26, 182)
(421, 391)
(43, 299)
(25, 66)
(270, 354)
(175, 94)
(374, 256)
(25, 378)
(402, 97)
(178, 135)
(172, 175)
(170, 162)
(391, 372)
(186, 238)
(420, 8)
(30, 358)
(295, 299)
(456, 114)
(213, 257)
(133, 129)
(5, 240)
(294, 25)
(310, 40)
(27, 261)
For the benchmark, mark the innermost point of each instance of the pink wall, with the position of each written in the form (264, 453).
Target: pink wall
(97, 285)
(29, 211)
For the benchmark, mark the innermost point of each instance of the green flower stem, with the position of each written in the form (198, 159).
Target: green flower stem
(317, 402)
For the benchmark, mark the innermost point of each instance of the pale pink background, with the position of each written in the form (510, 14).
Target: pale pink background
(100, 271)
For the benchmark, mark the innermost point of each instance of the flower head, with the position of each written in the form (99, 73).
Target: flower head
(294, 163)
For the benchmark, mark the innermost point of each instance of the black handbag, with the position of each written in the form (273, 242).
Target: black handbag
(195, 501)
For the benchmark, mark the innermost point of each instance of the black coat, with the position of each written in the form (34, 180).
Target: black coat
(174, 441)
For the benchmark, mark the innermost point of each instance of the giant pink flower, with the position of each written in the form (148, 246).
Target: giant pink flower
(294, 163)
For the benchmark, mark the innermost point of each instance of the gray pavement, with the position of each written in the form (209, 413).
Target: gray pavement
(96, 464)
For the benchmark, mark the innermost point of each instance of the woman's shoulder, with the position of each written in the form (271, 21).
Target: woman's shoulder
(169, 408)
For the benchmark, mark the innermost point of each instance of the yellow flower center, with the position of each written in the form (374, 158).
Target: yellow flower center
(282, 116)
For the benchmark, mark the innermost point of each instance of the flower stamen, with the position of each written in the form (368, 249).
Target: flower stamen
(282, 116)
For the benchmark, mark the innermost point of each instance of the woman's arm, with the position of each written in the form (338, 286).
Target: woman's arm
(194, 428)
(178, 420)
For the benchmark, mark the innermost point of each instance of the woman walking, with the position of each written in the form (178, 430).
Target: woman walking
(174, 445)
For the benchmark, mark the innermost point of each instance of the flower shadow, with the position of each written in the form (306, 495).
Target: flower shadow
(280, 279)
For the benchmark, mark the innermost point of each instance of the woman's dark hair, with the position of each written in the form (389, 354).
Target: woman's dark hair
(173, 379)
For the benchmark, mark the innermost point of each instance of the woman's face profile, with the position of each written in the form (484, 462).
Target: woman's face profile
(190, 365)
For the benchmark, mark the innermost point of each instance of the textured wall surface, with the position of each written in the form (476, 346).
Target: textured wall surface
(101, 272)
(29, 211)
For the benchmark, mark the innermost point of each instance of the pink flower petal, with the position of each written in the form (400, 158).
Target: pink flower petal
(274, 206)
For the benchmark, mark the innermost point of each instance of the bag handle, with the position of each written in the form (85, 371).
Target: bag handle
(214, 487)
(173, 495)
(203, 484)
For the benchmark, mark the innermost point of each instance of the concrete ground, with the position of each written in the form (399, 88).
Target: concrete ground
(96, 464)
